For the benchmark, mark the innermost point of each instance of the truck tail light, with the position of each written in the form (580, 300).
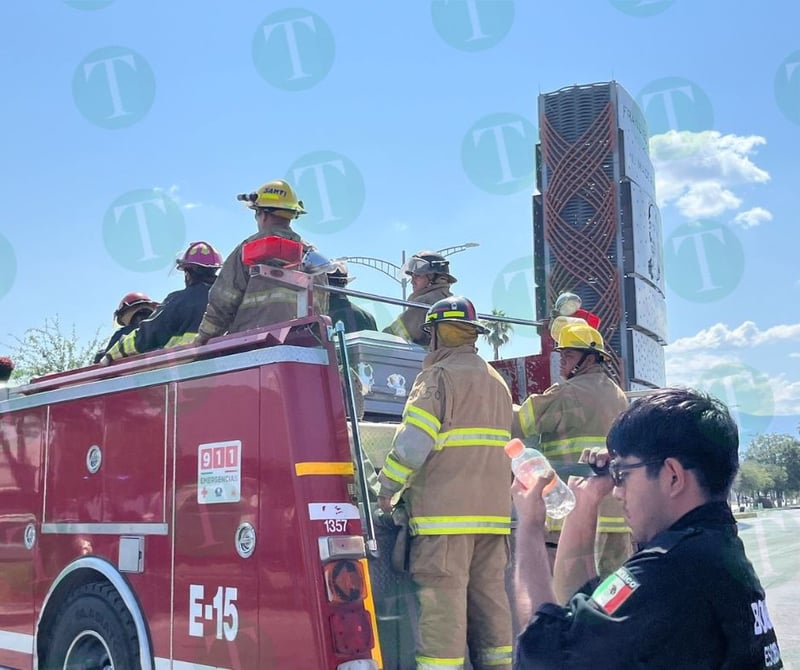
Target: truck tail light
(344, 580)
(286, 253)
(352, 631)
(341, 546)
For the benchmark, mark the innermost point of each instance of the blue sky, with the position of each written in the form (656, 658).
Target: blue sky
(128, 126)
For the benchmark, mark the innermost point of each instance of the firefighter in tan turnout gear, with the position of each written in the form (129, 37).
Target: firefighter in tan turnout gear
(576, 414)
(448, 457)
(431, 281)
(239, 302)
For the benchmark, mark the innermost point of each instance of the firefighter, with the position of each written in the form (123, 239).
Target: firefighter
(341, 308)
(133, 309)
(689, 597)
(239, 302)
(175, 322)
(430, 280)
(574, 414)
(447, 456)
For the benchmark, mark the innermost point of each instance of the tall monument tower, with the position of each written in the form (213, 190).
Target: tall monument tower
(597, 228)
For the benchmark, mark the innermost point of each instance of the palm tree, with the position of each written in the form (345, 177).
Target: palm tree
(499, 332)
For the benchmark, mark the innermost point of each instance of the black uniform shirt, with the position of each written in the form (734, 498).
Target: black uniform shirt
(689, 600)
(180, 314)
(174, 322)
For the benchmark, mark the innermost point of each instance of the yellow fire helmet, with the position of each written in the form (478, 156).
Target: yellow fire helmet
(581, 336)
(276, 195)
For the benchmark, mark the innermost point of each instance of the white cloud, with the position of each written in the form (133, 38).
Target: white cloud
(721, 352)
(752, 217)
(697, 172)
(775, 395)
(174, 192)
(746, 334)
(706, 199)
(786, 396)
(399, 226)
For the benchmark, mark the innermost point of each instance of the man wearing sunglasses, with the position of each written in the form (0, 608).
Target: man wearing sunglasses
(688, 598)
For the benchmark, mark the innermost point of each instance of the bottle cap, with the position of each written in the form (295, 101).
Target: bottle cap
(514, 447)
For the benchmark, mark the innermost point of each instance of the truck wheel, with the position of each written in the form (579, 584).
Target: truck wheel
(93, 631)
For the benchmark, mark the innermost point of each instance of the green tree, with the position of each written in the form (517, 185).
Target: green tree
(499, 332)
(779, 450)
(753, 478)
(47, 349)
(779, 479)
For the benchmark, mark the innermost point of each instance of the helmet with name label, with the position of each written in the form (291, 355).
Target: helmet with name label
(454, 309)
(277, 197)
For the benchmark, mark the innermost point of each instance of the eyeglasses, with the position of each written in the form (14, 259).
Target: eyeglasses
(619, 471)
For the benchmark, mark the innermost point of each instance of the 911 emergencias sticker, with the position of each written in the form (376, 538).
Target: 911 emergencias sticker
(219, 472)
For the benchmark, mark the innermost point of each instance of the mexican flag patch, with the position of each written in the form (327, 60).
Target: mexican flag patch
(615, 590)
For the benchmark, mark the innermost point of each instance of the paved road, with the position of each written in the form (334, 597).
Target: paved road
(772, 540)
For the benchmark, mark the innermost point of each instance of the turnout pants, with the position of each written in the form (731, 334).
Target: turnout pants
(462, 601)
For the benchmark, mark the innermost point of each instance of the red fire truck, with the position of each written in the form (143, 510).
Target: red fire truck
(191, 508)
(202, 508)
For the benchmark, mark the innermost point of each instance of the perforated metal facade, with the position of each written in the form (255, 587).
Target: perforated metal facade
(597, 230)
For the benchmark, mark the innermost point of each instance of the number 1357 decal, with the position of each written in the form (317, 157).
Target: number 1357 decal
(220, 611)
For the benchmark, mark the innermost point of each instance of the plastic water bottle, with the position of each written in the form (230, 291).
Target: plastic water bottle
(527, 464)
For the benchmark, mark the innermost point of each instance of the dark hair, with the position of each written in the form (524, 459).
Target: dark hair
(691, 426)
(201, 275)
